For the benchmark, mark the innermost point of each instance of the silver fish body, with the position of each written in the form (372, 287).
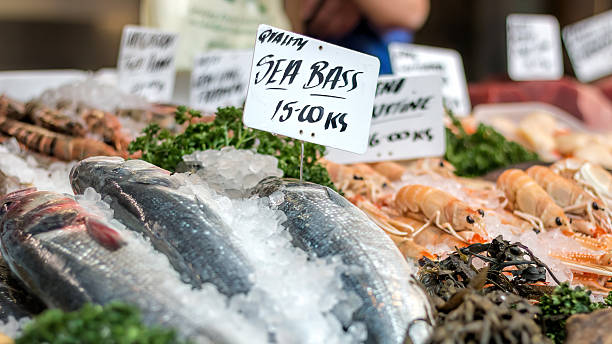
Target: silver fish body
(67, 257)
(324, 223)
(187, 230)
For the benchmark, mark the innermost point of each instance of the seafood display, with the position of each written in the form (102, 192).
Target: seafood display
(146, 200)
(321, 221)
(553, 139)
(68, 257)
(220, 247)
(428, 211)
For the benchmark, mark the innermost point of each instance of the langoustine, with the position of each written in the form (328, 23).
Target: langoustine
(60, 146)
(440, 208)
(529, 201)
(572, 198)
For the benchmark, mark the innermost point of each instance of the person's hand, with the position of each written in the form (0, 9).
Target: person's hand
(329, 19)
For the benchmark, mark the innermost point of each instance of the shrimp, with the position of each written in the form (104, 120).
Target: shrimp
(391, 170)
(436, 206)
(358, 179)
(63, 147)
(571, 197)
(433, 166)
(591, 177)
(529, 201)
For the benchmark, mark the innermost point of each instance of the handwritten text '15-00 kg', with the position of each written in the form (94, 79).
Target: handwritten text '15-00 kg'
(310, 90)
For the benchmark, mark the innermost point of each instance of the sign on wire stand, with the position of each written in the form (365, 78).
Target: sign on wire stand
(533, 47)
(407, 121)
(220, 78)
(146, 62)
(417, 60)
(589, 46)
(311, 90)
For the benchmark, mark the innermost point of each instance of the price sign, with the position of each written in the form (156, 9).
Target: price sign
(589, 46)
(311, 90)
(534, 47)
(407, 121)
(416, 60)
(220, 78)
(146, 62)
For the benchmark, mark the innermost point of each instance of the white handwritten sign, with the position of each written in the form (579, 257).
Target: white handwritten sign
(589, 46)
(146, 62)
(407, 121)
(311, 90)
(220, 78)
(415, 60)
(533, 47)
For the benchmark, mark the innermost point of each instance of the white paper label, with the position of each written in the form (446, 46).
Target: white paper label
(407, 121)
(415, 60)
(589, 46)
(220, 78)
(146, 62)
(534, 47)
(311, 90)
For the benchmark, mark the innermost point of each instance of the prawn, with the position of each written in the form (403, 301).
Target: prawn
(529, 201)
(391, 170)
(593, 178)
(571, 197)
(358, 179)
(440, 208)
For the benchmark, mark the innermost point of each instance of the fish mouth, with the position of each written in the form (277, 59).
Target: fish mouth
(82, 175)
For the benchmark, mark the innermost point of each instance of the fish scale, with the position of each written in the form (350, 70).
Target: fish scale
(185, 229)
(324, 223)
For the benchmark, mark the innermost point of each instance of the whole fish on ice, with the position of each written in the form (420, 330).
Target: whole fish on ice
(187, 230)
(322, 222)
(68, 257)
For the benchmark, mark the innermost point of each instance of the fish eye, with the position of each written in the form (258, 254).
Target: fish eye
(595, 206)
(481, 212)
(469, 219)
(558, 221)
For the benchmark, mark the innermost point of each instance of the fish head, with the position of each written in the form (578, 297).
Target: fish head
(91, 172)
(97, 171)
(10, 200)
(32, 212)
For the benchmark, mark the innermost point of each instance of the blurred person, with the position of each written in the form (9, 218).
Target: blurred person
(206, 25)
(363, 25)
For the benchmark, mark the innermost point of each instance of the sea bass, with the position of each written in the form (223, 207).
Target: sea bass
(145, 199)
(324, 223)
(68, 257)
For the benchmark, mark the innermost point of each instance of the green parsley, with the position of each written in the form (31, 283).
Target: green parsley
(164, 149)
(483, 151)
(113, 323)
(563, 303)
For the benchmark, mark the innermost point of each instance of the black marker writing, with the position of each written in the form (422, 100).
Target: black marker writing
(282, 38)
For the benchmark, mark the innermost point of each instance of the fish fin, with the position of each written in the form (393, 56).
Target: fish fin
(104, 235)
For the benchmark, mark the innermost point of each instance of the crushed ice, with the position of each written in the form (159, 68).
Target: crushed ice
(293, 294)
(232, 171)
(92, 93)
(207, 307)
(12, 327)
(23, 170)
